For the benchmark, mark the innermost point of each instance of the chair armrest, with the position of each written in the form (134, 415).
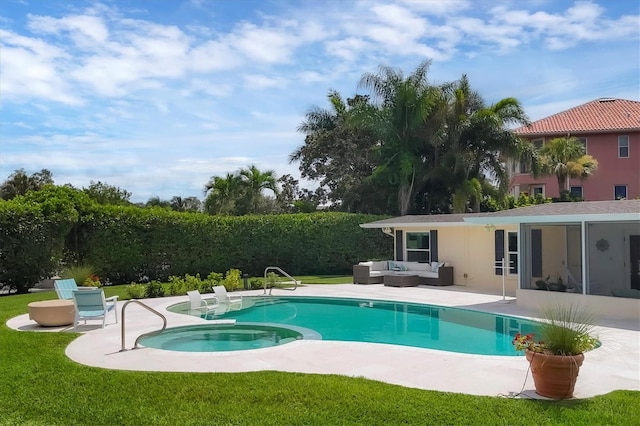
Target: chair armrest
(445, 275)
(112, 298)
(360, 274)
(211, 303)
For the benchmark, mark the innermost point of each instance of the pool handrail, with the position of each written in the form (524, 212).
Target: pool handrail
(150, 309)
(275, 268)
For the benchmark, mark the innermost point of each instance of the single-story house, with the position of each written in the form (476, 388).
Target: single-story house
(587, 252)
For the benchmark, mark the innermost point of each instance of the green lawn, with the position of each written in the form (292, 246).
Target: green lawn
(39, 385)
(326, 279)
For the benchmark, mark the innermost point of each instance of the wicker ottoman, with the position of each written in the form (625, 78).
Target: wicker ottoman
(401, 280)
(52, 313)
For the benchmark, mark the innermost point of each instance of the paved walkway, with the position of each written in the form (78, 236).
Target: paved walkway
(615, 365)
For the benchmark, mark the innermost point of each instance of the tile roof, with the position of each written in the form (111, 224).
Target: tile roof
(422, 219)
(599, 115)
(585, 210)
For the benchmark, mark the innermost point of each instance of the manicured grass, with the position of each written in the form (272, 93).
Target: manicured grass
(326, 279)
(39, 385)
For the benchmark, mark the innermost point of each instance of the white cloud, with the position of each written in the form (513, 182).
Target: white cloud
(438, 7)
(266, 45)
(259, 82)
(31, 69)
(158, 103)
(86, 31)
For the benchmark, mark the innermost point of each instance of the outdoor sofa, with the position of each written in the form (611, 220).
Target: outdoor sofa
(373, 272)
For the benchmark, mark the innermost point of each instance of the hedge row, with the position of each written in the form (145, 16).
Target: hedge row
(45, 230)
(131, 244)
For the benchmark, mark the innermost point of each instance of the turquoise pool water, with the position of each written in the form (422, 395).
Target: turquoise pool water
(224, 337)
(397, 323)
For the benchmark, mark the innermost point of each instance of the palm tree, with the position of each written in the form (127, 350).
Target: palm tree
(321, 119)
(402, 124)
(221, 194)
(565, 157)
(157, 202)
(479, 141)
(254, 182)
(189, 204)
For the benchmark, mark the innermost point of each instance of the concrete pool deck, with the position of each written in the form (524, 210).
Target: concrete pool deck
(615, 365)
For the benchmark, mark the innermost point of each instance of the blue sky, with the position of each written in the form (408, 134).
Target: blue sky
(157, 96)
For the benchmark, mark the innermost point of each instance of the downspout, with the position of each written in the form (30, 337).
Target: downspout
(585, 281)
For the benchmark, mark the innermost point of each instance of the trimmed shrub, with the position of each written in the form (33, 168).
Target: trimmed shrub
(153, 289)
(32, 236)
(135, 291)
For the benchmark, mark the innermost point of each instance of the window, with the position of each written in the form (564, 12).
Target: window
(418, 247)
(537, 143)
(512, 252)
(507, 250)
(525, 167)
(623, 146)
(537, 190)
(583, 142)
(620, 192)
(576, 191)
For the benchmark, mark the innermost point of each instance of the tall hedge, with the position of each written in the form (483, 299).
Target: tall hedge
(131, 244)
(43, 231)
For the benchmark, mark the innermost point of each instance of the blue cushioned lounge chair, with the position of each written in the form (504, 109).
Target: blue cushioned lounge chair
(65, 288)
(92, 304)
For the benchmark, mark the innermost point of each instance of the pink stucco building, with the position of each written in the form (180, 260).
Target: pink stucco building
(610, 131)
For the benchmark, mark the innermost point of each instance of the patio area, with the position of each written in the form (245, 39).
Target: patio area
(612, 366)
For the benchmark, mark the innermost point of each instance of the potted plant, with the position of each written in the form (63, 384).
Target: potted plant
(556, 349)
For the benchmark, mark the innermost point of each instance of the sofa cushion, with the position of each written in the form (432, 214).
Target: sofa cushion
(626, 292)
(375, 265)
(428, 274)
(397, 266)
(415, 266)
(379, 265)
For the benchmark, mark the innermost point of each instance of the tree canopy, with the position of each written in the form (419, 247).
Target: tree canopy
(412, 147)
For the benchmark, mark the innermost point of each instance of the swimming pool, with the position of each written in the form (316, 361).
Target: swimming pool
(375, 321)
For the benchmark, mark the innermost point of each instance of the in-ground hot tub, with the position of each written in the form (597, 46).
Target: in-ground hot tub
(225, 337)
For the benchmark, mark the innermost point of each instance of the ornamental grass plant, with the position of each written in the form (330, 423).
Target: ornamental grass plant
(80, 273)
(564, 330)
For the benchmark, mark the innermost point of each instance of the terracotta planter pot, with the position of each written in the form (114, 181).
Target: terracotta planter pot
(554, 376)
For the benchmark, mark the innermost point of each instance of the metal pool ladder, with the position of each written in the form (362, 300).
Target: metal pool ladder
(275, 268)
(148, 308)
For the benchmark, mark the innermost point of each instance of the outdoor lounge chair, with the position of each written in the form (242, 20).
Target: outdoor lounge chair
(65, 288)
(234, 300)
(197, 303)
(92, 304)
